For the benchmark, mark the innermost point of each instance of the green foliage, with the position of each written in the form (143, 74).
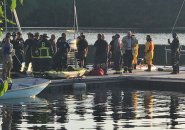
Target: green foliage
(1, 12)
(13, 5)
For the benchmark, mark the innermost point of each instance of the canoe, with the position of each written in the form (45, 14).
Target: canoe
(26, 87)
(66, 74)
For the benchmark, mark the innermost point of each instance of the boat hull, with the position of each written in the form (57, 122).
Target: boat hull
(29, 91)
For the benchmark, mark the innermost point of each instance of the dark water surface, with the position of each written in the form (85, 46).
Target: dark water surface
(98, 107)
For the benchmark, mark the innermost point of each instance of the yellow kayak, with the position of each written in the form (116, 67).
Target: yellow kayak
(66, 74)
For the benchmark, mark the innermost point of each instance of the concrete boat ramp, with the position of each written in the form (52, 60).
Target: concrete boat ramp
(138, 78)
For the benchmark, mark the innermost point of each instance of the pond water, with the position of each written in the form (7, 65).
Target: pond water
(98, 107)
(91, 35)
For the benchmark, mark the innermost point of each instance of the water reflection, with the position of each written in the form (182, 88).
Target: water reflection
(97, 107)
(174, 104)
(6, 118)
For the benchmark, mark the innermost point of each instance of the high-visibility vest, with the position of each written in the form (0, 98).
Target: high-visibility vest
(43, 52)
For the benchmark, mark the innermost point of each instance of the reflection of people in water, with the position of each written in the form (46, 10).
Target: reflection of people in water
(173, 111)
(135, 102)
(99, 108)
(80, 105)
(115, 103)
(6, 119)
(127, 106)
(148, 103)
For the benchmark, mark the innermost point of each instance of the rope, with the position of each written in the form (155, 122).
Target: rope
(177, 16)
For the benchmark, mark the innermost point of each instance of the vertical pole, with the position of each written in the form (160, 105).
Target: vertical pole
(166, 54)
(17, 20)
(74, 23)
(5, 16)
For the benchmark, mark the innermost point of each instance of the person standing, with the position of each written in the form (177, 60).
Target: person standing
(82, 47)
(175, 53)
(60, 57)
(7, 53)
(45, 54)
(53, 44)
(149, 52)
(101, 52)
(18, 58)
(35, 53)
(128, 44)
(117, 54)
(28, 51)
(111, 53)
(135, 54)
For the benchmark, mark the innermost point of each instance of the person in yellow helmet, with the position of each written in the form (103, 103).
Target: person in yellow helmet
(135, 53)
(149, 52)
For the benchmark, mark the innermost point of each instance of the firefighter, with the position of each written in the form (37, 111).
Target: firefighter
(149, 52)
(27, 51)
(60, 57)
(135, 54)
(18, 45)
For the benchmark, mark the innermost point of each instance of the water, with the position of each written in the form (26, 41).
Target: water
(91, 36)
(98, 107)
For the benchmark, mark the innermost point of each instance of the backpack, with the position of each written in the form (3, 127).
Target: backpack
(96, 72)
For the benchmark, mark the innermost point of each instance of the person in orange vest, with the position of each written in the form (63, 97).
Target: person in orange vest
(149, 52)
(135, 53)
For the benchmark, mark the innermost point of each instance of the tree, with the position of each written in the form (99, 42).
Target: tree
(12, 4)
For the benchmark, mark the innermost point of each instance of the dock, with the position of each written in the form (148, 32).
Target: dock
(140, 78)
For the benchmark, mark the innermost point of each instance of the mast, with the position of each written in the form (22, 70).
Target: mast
(17, 20)
(75, 26)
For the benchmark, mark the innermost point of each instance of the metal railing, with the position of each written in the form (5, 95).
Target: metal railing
(168, 50)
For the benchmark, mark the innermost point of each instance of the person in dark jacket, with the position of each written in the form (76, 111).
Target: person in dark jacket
(35, 53)
(111, 52)
(101, 52)
(82, 47)
(53, 44)
(175, 53)
(18, 58)
(60, 57)
(45, 51)
(28, 51)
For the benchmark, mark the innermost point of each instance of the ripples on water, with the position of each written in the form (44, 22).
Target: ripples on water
(97, 108)
(91, 36)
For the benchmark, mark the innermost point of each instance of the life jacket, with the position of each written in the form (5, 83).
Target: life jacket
(43, 51)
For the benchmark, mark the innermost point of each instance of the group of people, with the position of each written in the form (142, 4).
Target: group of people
(123, 53)
(50, 54)
(44, 54)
